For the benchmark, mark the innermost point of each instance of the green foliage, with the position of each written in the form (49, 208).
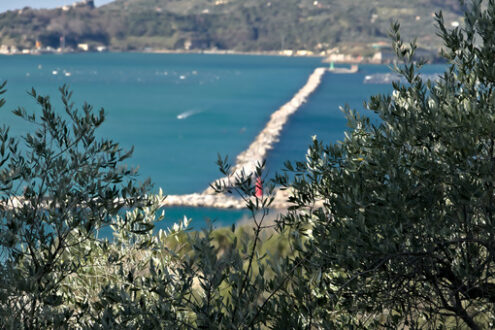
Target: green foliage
(404, 236)
(58, 186)
(209, 279)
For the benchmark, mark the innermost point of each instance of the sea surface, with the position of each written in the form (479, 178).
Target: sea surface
(180, 111)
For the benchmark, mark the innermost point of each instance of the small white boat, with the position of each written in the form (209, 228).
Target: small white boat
(353, 69)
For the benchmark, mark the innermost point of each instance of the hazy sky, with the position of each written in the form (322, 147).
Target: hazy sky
(18, 4)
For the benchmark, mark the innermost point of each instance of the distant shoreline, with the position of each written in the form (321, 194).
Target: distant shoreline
(335, 58)
(34, 52)
(221, 52)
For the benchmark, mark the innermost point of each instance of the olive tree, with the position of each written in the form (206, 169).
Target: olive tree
(404, 233)
(59, 185)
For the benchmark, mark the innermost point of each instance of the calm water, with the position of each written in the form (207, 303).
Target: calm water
(180, 111)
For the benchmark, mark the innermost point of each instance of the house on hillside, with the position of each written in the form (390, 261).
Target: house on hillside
(84, 4)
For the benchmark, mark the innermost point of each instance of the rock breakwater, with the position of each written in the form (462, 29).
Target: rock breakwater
(221, 201)
(266, 139)
(255, 154)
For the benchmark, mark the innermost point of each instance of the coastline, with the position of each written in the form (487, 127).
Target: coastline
(338, 58)
(37, 52)
(381, 56)
(229, 52)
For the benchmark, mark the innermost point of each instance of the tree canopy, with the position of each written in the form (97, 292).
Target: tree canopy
(405, 236)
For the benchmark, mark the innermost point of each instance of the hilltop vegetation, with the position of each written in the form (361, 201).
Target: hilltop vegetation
(241, 25)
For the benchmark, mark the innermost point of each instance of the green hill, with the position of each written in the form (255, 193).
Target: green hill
(240, 25)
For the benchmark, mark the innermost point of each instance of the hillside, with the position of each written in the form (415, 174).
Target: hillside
(240, 25)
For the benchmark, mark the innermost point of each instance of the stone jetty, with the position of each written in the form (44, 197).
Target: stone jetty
(221, 201)
(247, 161)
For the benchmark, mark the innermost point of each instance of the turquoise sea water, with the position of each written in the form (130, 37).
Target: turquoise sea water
(180, 110)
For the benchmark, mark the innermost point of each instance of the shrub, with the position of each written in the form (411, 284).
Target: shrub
(405, 234)
(58, 186)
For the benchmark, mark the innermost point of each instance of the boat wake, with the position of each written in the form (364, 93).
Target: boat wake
(187, 114)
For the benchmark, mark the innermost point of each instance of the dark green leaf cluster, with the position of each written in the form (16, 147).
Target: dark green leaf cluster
(58, 186)
(404, 237)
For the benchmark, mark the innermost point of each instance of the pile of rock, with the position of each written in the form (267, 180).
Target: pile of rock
(248, 160)
(223, 201)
